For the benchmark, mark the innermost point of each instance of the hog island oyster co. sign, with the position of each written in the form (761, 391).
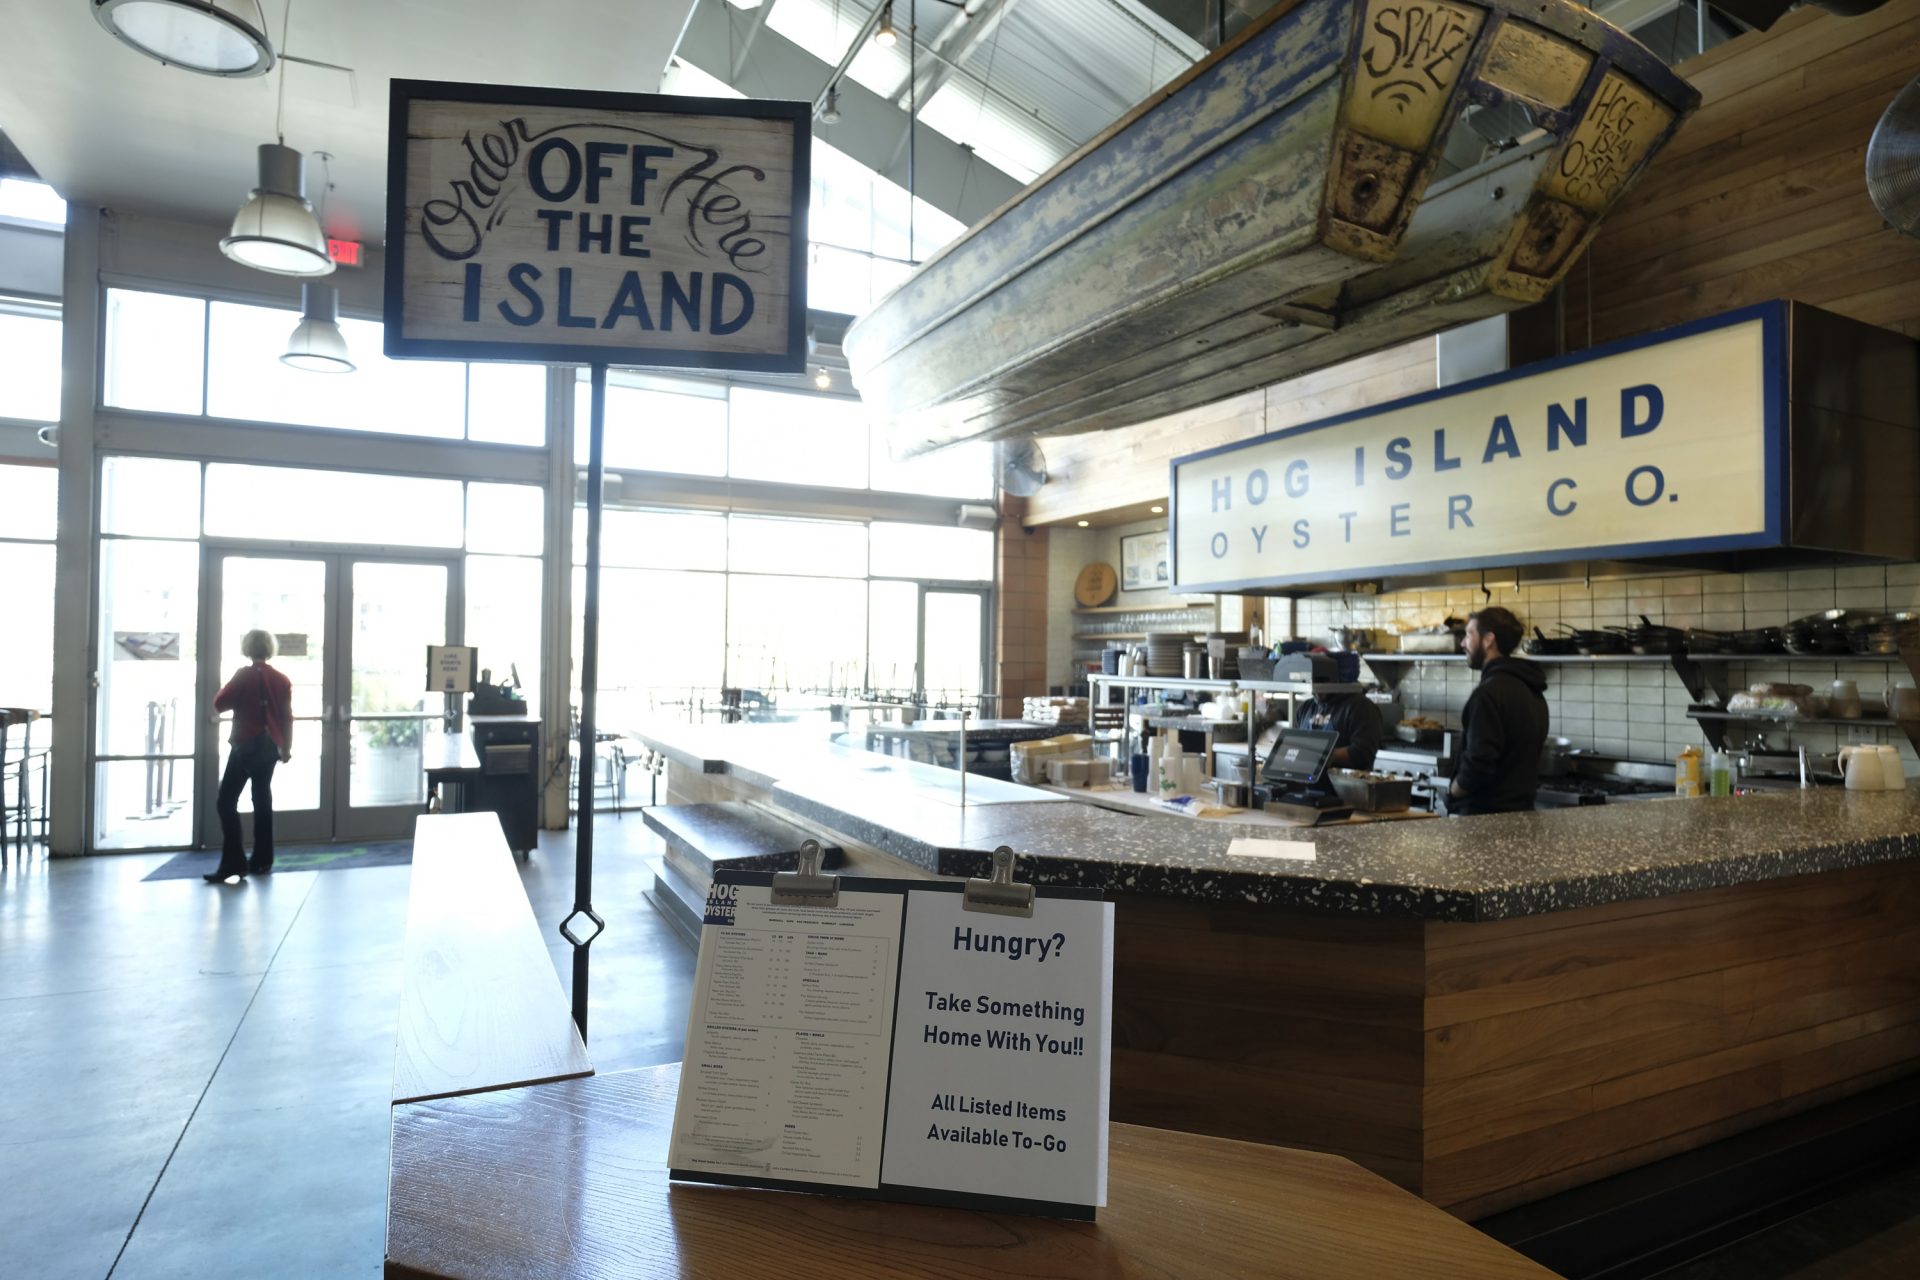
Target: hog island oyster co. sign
(576, 227)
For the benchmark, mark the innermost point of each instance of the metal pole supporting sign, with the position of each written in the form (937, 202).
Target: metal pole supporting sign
(589, 699)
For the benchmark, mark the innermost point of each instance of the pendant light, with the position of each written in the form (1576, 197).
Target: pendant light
(275, 230)
(885, 36)
(316, 344)
(208, 36)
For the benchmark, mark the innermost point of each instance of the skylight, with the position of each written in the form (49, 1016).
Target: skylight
(23, 200)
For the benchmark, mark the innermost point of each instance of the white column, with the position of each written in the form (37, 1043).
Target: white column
(75, 641)
(556, 598)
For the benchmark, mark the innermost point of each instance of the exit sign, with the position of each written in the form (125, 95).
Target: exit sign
(345, 252)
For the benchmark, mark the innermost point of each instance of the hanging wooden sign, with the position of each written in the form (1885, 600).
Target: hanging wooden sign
(562, 226)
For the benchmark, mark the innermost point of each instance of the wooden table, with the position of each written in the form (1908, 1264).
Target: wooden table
(569, 1180)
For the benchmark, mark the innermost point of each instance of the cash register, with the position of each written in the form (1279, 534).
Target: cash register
(1293, 781)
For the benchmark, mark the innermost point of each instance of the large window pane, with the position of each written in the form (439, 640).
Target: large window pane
(655, 539)
(155, 352)
(816, 440)
(509, 519)
(766, 544)
(893, 635)
(839, 280)
(507, 403)
(654, 430)
(932, 551)
(149, 620)
(245, 379)
(150, 497)
(957, 471)
(29, 367)
(29, 505)
(795, 634)
(662, 640)
(503, 619)
(26, 637)
(299, 505)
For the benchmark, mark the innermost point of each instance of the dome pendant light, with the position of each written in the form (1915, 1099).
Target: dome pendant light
(316, 344)
(276, 230)
(885, 37)
(207, 36)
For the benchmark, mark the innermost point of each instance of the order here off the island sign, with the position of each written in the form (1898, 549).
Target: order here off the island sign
(577, 227)
(1665, 445)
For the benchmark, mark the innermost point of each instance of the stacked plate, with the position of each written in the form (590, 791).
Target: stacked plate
(1164, 650)
(1224, 647)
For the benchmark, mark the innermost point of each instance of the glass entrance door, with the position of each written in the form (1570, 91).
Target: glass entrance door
(396, 609)
(351, 634)
(953, 642)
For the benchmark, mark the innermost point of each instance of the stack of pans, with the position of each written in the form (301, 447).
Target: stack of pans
(1164, 652)
(1224, 649)
(1819, 633)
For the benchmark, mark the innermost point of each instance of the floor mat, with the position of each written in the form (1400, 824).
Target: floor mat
(341, 857)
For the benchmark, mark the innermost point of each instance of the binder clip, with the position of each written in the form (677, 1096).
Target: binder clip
(999, 895)
(806, 887)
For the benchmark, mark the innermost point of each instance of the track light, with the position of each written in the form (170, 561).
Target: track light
(275, 230)
(822, 379)
(316, 343)
(830, 114)
(885, 36)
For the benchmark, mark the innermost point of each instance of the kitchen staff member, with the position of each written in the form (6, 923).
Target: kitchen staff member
(1352, 717)
(1505, 721)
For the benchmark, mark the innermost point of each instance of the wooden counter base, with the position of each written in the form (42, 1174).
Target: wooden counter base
(1486, 1065)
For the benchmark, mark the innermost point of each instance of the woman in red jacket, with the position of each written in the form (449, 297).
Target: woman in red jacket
(261, 700)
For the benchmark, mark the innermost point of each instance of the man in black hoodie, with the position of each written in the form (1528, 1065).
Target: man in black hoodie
(1505, 721)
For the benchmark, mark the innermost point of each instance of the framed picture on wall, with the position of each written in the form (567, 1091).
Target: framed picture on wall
(1143, 562)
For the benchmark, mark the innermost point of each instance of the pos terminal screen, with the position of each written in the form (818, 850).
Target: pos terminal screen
(1300, 756)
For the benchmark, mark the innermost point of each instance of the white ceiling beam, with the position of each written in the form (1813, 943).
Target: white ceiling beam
(754, 28)
(946, 175)
(951, 47)
(1629, 14)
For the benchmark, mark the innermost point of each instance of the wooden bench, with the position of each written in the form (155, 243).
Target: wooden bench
(702, 838)
(480, 1004)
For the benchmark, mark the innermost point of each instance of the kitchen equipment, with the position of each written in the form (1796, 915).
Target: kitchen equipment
(1165, 650)
(1553, 756)
(1603, 642)
(1759, 640)
(1306, 668)
(1651, 638)
(1903, 702)
(1372, 792)
(1701, 640)
(1893, 771)
(1256, 662)
(1352, 639)
(1883, 634)
(1862, 768)
(1420, 730)
(1234, 795)
(1843, 700)
(1193, 662)
(1442, 639)
(1223, 653)
(1542, 645)
(1825, 632)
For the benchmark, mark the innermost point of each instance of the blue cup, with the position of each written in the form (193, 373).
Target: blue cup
(1140, 772)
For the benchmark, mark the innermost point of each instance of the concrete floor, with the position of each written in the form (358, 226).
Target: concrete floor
(197, 1078)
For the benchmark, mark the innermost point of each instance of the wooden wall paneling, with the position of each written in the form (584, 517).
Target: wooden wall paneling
(1271, 1026)
(1763, 193)
(1562, 1048)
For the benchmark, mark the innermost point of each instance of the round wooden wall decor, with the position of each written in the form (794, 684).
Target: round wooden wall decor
(1095, 585)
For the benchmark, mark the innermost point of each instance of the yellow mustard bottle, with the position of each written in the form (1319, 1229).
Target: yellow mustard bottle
(1689, 769)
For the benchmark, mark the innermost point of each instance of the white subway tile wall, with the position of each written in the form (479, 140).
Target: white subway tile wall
(1640, 711)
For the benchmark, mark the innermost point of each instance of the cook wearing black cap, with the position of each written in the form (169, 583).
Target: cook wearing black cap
(1350, 716)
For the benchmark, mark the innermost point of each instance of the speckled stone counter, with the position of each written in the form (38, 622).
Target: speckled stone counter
(1471, 869)
(1485, 1010)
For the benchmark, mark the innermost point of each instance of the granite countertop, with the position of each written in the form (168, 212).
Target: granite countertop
(1464, 869)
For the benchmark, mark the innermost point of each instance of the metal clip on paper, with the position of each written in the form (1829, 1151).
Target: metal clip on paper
(999, 895)
(806, 887)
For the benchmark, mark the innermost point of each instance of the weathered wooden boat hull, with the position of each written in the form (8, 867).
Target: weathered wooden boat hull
(1268, 214)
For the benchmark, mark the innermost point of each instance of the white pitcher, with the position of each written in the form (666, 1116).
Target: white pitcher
(1861, 765)
(1893, 771)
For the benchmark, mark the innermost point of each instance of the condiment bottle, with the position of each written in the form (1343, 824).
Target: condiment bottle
(1720, 774)
(1689, 778)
